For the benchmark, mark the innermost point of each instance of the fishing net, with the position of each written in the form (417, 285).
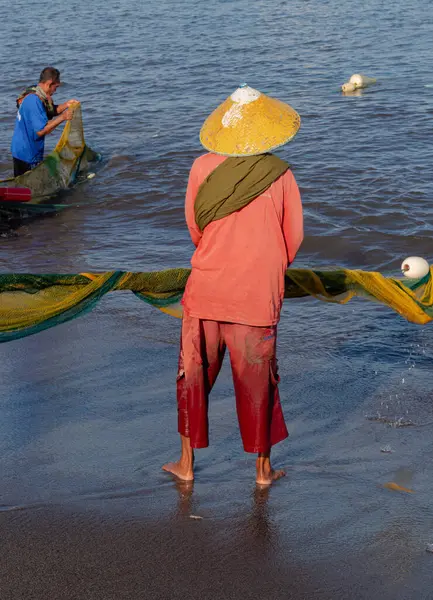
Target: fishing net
(31, 303)
(61, 167)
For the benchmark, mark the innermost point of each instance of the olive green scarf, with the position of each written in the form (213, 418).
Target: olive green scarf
(234, 184)
(50, 107)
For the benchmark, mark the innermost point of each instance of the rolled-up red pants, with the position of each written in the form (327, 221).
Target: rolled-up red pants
(254, 368)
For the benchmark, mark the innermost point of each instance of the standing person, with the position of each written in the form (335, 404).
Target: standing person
(244, 215)
(37, 116)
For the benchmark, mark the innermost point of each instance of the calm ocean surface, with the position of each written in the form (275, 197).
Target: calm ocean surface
(89, 406)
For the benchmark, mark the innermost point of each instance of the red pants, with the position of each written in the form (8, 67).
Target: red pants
(254, 369)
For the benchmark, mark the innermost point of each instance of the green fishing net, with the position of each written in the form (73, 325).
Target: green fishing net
(31, 303)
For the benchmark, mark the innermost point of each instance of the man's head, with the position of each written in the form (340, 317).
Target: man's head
(49, 80)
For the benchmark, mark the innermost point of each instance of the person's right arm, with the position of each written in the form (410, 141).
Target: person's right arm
(191, 193)
(51, 125)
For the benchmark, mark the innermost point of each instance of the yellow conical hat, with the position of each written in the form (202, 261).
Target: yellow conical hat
(249, 123)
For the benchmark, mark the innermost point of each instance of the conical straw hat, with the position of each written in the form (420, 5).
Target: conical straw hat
(249, 123)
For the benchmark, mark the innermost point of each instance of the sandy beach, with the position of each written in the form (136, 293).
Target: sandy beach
(87, 513)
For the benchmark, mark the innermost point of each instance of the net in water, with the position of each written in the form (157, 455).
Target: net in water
(62, 166)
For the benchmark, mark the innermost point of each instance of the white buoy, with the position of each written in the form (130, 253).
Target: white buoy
(91, 175)
(415, 267)
(357, 82)
(361, 81)
(348, 87)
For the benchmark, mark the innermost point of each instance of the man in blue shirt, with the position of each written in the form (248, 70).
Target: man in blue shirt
(37, 116)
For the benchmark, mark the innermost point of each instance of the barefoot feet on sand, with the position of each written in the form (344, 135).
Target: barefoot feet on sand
(180, 470)
(265, 474)
(270, 477)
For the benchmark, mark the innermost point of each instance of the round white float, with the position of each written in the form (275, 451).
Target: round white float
(415, 267)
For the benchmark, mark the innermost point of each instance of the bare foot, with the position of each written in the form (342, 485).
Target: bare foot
(180, 469)
(270, 477)
(183, 469)
(266, 475)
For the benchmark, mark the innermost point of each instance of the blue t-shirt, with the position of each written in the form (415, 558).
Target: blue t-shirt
(31, 118)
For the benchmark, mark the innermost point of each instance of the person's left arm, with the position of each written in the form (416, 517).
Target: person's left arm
(293, 221)
(59, 108)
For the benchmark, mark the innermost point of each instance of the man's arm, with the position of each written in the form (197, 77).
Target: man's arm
(191, 193)
(293, 222)
(62, 107)
(51, 125)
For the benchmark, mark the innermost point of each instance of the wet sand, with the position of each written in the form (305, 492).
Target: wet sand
(88, 418)
(58, 554)
(49, 552)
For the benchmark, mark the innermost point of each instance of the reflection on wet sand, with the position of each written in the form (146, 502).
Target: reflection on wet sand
(253, 529)
(258, 525)
(185, 497)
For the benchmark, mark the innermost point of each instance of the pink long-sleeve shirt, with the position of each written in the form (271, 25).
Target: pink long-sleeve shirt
(239, 263)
